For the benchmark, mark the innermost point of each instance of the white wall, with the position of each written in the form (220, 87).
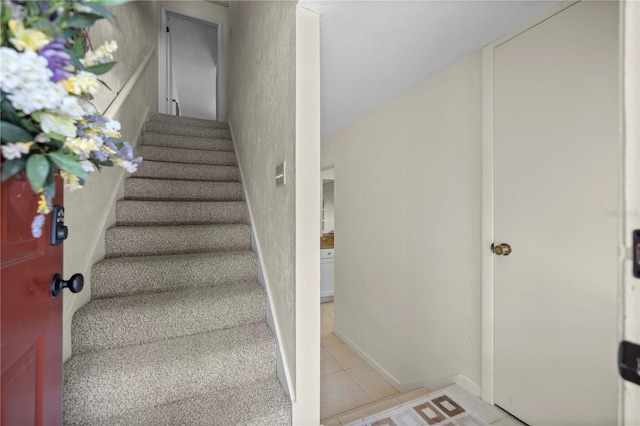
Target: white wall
(263, 113)
(91, 210)
(211, 11)
(408, 222)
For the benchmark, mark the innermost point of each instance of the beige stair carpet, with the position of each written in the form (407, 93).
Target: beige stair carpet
(175, 333)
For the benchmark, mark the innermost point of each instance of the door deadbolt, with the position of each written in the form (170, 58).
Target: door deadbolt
(503, 249)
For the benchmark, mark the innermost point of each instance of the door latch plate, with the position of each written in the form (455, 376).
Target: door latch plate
(629, 361)
(636, 253)
(59, 232)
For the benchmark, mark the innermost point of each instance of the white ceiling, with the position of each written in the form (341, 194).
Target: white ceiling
(372, 51)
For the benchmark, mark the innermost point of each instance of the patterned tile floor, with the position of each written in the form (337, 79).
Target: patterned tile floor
(351, 391)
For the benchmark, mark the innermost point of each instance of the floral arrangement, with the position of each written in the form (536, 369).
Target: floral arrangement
(47, 81)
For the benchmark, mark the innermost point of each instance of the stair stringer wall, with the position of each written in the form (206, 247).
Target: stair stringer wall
(282, 366)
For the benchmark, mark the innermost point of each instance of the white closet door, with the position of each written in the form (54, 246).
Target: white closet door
(557, 154)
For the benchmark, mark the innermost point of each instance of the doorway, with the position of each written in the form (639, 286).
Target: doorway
(191, 66)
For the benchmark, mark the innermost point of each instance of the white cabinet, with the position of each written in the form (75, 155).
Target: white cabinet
(326, 275)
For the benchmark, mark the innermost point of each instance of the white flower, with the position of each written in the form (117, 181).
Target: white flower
(12, 151)
(87, 166)
(102, 54)
(127, 165)
(112, 126)
(53, 123)
(26, 79)
(81, 146)
(71, 107)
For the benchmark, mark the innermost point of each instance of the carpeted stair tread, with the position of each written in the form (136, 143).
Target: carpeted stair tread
(240, 405)
(121, 321)
(189, 142)
(132, 212)
(122, 276)
(184, 190)
(163, 170)
(132, 378)
(156, 240)
(186, 121)
(186, 130)
(188, 156)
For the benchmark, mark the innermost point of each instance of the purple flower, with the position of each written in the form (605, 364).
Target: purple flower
(36, 226)
(57, 58)
(99, 155)
(127, 152)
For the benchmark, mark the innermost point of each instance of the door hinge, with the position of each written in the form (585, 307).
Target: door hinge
(629, 362)
(636, 253)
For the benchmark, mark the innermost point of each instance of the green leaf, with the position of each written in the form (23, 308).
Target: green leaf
(73, 59)
(82, 20)
(50, 186)
(8, 112)
(101, 68)
(11, 167)
(56, 136)
(78, 47)
(100, 10)
(28, 126)
(69, 33)
(12, 133)
(37, 171)
(69, 164)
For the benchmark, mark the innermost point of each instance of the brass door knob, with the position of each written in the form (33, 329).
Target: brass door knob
(503, 249)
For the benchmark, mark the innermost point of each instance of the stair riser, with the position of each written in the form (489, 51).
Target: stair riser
(201, 172)
(145, 241)
(165, 372)
(186, 121)
(133, 213)
(173, 141)
(188, 156)
(200, 132)
(99, 326)
(121, 277)
(156, 189)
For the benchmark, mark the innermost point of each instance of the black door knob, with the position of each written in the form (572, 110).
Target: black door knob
(74, 284)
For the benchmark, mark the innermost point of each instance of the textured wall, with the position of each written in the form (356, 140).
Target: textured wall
(89, 211)
(262, 112)
(407, 221)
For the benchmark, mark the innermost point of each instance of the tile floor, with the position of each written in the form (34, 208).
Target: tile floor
(351, 390)
(349, 386)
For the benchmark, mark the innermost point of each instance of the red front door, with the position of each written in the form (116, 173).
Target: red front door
(31, 318)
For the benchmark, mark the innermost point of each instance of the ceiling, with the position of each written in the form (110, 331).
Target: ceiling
(372, 51)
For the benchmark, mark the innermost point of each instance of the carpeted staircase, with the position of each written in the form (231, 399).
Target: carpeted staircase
(175, 333)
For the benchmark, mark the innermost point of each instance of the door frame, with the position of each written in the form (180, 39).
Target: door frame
(629, 396)
(163, 64)
(487, 322)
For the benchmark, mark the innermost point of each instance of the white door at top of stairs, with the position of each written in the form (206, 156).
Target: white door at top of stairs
(191, 67)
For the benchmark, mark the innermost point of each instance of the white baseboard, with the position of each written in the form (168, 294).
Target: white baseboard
(282, 365)
(433, 383)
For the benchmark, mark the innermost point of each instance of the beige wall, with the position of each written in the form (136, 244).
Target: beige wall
(91, 210)
(207, 10)
(407, 223)
(262, 112)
